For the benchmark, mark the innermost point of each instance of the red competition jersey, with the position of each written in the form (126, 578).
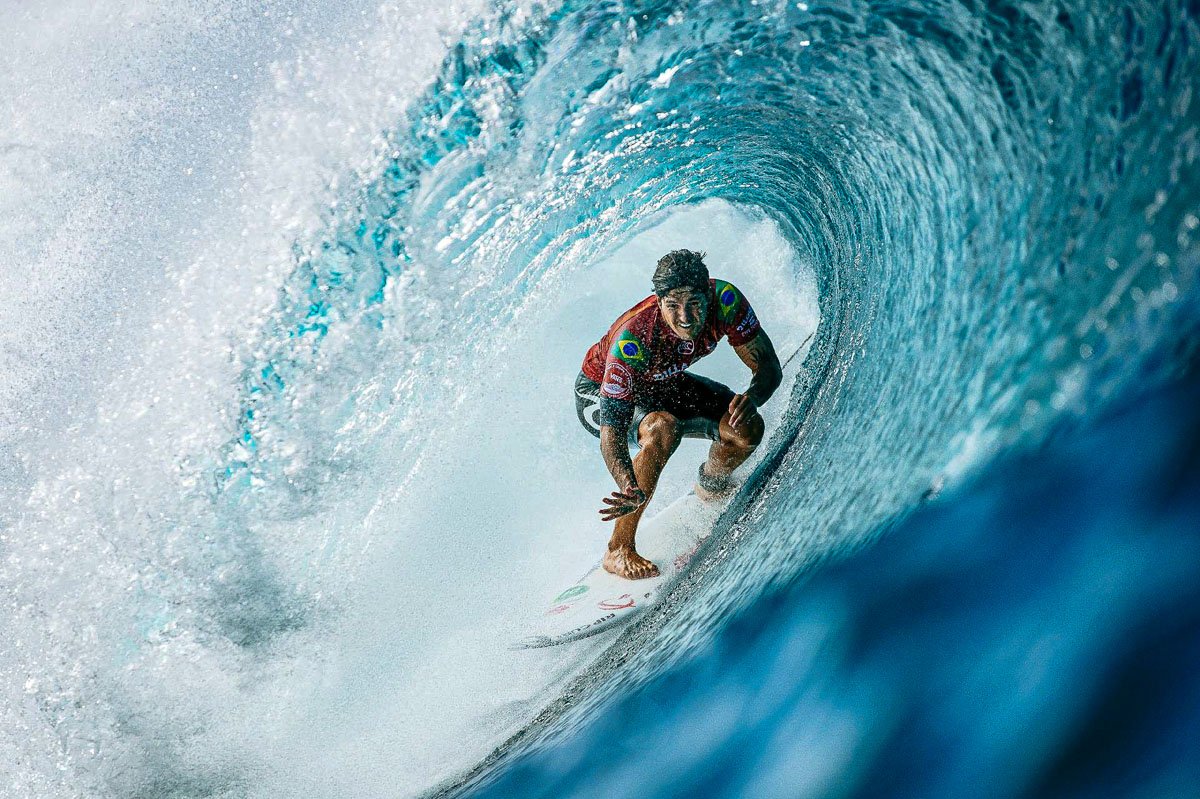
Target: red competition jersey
(640, 349)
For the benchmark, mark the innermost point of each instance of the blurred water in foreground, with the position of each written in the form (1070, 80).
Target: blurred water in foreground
(1036, 635)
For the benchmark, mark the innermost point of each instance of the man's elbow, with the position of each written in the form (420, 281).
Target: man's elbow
(612, 433)
(771, 377)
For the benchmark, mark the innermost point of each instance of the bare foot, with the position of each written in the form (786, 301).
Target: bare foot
(625, 562)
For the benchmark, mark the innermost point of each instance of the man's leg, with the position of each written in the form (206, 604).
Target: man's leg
(659, 434)
(730, 451)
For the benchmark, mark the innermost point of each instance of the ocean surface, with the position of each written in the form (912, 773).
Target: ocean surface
(295, 296)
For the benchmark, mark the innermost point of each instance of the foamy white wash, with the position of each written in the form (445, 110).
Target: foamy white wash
(160, 163)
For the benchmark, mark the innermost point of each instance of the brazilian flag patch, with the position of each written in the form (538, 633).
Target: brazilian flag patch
(728, 300)
(630, 350)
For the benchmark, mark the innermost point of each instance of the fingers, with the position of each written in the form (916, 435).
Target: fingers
(621, 503)
(741, 408)
(608, 514)
(737, 409)
(632, 497)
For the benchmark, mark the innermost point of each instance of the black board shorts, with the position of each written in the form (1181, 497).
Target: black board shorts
(699, 402)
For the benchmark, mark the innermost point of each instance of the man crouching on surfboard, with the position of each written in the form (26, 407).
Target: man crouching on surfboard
(634, 380)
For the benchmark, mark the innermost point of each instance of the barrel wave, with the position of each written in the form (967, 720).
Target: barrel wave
(288, 553)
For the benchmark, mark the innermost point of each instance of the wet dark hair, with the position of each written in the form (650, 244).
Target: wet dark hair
(680, 269)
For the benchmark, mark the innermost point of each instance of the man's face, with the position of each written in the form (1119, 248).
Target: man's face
(684, 311)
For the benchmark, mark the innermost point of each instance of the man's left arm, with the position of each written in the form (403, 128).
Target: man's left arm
(759, 354)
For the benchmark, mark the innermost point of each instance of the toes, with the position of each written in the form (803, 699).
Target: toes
(630, 566)
(646, 569)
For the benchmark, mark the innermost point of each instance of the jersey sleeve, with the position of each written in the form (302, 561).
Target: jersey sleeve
(626, 360)
(736, 319)
(616, 394)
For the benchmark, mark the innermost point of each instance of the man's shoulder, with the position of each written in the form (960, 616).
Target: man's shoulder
(728, 298)
(734, 316)
(631, 335)
(639, 317)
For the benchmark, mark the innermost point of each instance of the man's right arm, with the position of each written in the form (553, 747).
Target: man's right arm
(614, 447)
(616, 415)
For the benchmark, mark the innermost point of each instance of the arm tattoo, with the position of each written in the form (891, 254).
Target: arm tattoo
(759, 355)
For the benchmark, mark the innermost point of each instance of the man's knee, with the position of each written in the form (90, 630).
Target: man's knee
(660, 429)
(748, 435)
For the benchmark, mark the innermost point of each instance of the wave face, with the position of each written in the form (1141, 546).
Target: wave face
(297, 575)
(1037, 636)
(999, 201)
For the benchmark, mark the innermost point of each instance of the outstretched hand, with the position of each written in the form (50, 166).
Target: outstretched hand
(741, 409)
(622, 502)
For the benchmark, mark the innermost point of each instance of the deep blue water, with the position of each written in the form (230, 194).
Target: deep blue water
(1037, 634)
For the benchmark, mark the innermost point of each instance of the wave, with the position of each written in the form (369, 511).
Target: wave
(986, 212)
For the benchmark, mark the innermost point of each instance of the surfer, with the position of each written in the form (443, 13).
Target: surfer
(634, 390)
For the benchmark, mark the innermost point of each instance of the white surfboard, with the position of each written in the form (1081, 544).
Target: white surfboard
(600, 601)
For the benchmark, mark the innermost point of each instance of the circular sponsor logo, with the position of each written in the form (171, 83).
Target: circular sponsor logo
(687, 347)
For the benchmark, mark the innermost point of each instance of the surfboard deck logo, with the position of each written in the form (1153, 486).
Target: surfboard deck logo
(599, 601)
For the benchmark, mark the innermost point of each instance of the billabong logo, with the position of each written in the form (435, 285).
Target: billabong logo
(678, 368)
